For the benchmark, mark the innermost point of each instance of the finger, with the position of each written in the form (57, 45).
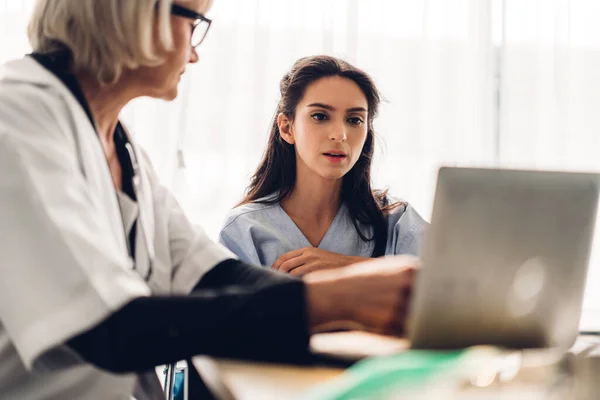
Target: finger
(299, 271)
(394, 322)
(282, 258)
(382, 321)
(403, 309)
(386, 312)
(304, 269)
(289, 265)
(287, 256)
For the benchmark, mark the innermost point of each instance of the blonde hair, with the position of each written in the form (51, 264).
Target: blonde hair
(104, 36)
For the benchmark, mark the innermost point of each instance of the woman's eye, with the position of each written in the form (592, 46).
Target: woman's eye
(356, 121)
(319, 116)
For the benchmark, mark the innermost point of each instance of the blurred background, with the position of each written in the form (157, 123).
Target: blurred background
(511, 83)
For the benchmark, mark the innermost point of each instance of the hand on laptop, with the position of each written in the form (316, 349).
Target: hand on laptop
(373, 295)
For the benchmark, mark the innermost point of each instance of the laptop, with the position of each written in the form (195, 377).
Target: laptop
(505, 259)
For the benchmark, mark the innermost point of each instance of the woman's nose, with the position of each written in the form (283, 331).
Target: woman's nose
(194, 56)
(338, 134)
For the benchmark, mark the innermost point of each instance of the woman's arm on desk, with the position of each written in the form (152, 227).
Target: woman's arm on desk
(310, 259)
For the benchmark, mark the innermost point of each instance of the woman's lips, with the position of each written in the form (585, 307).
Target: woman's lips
(335, 157)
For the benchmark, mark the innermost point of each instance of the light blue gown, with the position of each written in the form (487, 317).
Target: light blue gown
(259, 233)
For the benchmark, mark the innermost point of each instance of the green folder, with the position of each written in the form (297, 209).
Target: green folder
(377, 377)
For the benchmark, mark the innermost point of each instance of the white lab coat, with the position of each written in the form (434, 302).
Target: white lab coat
(64, 261)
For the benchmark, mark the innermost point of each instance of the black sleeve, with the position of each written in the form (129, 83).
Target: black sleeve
(234, 272)
(254, 315)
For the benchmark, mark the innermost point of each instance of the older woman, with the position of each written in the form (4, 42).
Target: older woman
(98, 260)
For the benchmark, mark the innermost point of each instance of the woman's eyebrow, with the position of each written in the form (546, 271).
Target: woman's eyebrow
(331, 108)
(355, 109)
(321, 105)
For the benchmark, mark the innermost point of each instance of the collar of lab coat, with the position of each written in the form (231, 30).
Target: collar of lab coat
(91, 155)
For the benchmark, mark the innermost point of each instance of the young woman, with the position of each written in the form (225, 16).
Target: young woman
(310, 204)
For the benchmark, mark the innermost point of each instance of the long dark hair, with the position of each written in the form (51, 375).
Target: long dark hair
(277, 170)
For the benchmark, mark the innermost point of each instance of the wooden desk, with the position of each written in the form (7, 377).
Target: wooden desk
(249, 380)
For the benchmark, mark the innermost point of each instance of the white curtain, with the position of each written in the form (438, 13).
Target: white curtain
(550, 92)
(431, 59)
(468, 82)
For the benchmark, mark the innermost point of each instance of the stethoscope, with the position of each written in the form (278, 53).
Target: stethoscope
(136, 183)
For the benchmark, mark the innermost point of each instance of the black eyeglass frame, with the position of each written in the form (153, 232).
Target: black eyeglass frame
(185, 12)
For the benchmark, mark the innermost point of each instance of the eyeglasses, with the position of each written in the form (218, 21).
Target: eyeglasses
(201, 23)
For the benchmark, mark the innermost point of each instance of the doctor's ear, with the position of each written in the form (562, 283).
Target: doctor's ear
(285, 128)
